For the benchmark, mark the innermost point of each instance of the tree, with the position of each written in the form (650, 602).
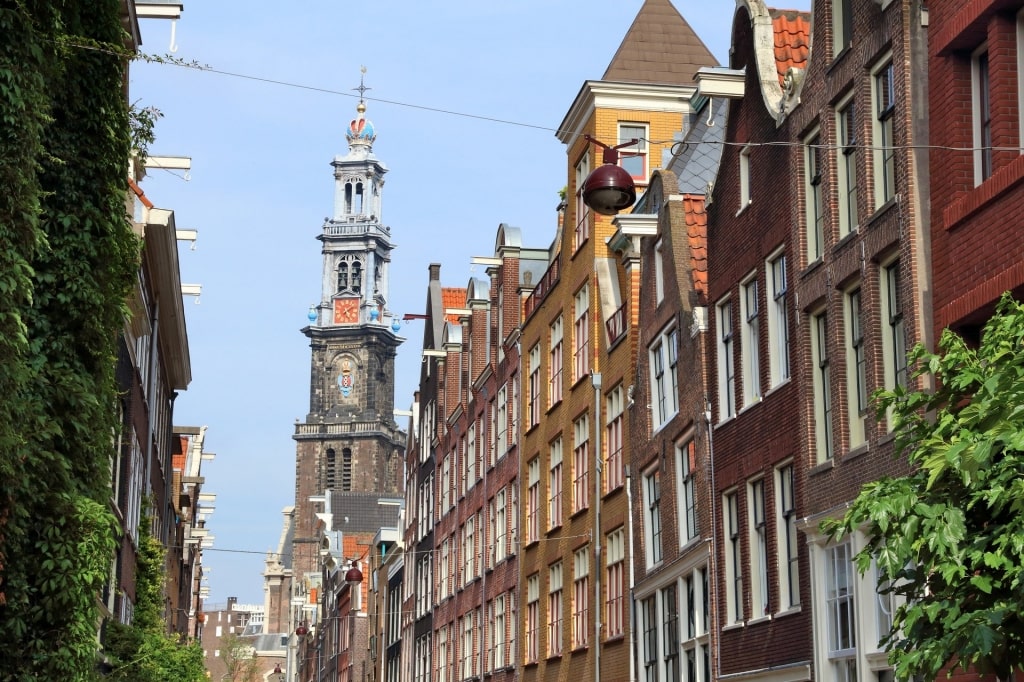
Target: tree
(949, 537)
(239, 658)
(68, 259)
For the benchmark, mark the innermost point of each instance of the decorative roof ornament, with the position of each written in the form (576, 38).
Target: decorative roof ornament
(361, 132)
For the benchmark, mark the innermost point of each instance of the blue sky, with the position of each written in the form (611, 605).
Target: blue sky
(261, 185)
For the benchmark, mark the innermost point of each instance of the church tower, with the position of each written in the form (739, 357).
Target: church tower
(349, 440)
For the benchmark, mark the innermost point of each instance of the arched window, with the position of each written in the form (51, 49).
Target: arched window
(346, 469)
(358, 206)
(342, 276)
(356, 282)
(331, 470)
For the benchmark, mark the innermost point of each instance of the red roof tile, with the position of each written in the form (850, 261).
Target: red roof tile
(697, 234)
(453, 297)
(792, 30)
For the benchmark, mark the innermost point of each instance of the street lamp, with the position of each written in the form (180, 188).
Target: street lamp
(279, 672)
(609, 188)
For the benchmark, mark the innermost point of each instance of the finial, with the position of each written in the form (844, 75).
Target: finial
(362, 90)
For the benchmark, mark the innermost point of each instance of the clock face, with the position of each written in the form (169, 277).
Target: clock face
(346, 310)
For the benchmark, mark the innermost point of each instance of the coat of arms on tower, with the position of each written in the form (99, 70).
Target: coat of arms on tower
(346, 379)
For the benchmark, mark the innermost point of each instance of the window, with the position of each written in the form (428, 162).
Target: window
(499, 635)
(652, 516)
(555, 363)
(822, 387)
(839, 612)
(499, 527)
(513, 427)
(471, 458)
(778, 320)
(733, 563)
(582, 210)
(758, 550)
(555, 483)
(468, 649)
(534, 406)
(685, 466)
(789, 568)
(856, 368)
(532, 616)
(501, 422)
(581, 464)
(744, 178)
(670, 648)
(469, 553)
(846, 124)
(533, 500)
(444, 588)
(726, 373)
(884, 146)
(634, 158)
(423, 664)
(664, 355)
(749, 348)
(694, 633)
(555, 609)
(659, 272)
(581, 334)
(982, 115)
(581, 596)
(446, 483)
(814, 181)
(842, 25)
(649, 621)
(894, 337)
(615, 560)
(614, 471)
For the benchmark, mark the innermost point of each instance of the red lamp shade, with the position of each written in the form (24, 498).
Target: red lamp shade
(354, 575)
(301, 630)
(277, 668)
(609, 189)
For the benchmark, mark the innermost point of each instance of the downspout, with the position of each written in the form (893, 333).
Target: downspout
(150, 391)
(595, 379)
(632, 579)
(714, 543)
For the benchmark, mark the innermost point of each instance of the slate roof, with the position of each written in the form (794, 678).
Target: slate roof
(358, 512)
(697, 157)
(659, 47)
(792, 30)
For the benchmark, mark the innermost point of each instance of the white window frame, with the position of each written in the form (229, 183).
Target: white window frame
(628, 155)
(654, 549)
(894, 333)
(581, 333)
(846, 165)
(533, 500)
(501, 422)
(750, 344)
(581, 463)
(726, 369)
(858, 398)
(786, 538)
(814, 195)
(582, 230)
(733, 558)
(556, 609)
(614, 584)
(659, 272)
(824, 433)
(745, 197)
(556, 378)
(581, 597)
(778, 319)
(981, 113)
(535, 405)
(532, 648)
(883, 91)
(555, 506)
(686, 460)
(695, 620)
(664, 375)
(614, 471)
(757, 520)
(842, 25)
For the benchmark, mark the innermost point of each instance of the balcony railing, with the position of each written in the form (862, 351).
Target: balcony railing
(616, 325)
(544, 286)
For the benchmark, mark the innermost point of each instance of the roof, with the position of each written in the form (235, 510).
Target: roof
(697, 159)
(792, 30)
(659, 47)
(697, 238)
(358, 512)
(452, 297)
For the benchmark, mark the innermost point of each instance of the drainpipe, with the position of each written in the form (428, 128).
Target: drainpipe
(595, 379)
(713, 627)
(632, 578)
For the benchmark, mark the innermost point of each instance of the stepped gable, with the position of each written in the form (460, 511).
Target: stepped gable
(659, 47)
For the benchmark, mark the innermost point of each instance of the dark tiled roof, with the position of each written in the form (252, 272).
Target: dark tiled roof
(792, 31)
(363, 512)
(659, 47)
(700, 151)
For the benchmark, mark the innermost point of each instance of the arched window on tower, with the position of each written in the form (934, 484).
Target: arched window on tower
(331, 470)
(359, 199)
(356, 281)
(342, 276)
(348, 198)
(346, 469)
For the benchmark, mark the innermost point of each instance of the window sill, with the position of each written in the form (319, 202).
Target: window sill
(976, 198)
(821, 468)
(760, 619)
(733, 626)
(791, 611)
(856, 452)
(553, 406)
(881, 211)
(838, 57)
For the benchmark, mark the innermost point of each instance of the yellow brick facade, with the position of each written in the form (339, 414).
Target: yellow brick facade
(561, 539)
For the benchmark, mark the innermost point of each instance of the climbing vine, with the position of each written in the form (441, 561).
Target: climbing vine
(68, 258)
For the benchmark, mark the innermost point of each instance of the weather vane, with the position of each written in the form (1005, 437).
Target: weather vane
(362, 88)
